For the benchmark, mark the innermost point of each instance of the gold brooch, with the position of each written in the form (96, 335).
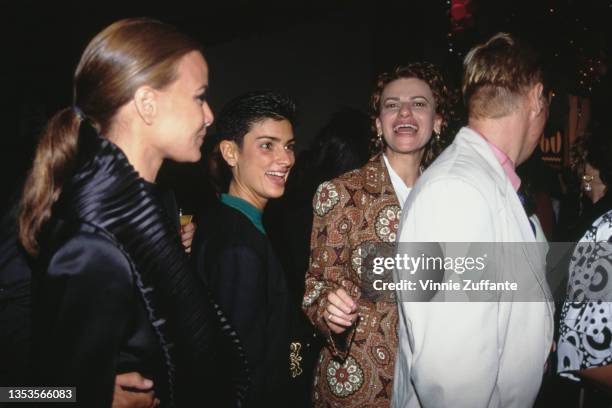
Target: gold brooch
(295, 359)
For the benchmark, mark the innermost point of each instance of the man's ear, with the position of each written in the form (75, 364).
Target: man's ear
(146, 103)
(229, 151)
(537, 99)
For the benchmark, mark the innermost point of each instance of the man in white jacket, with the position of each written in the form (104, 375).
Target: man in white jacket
(480, 354)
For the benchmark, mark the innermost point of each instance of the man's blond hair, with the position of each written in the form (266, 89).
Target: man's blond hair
(497, 74)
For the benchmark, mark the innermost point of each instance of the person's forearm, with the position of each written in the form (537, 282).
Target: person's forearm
(600, 377)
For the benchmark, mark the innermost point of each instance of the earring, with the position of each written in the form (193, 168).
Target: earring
(380, 144)
(587, 183)
(437, 136)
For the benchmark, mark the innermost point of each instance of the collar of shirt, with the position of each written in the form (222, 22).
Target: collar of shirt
(506, 164)
(253, 213)
(401, 189)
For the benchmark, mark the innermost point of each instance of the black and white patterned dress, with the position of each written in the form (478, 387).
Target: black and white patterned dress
(585, 332)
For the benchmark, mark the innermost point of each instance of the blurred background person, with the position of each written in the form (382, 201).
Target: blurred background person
(593, 167)
(584, 349)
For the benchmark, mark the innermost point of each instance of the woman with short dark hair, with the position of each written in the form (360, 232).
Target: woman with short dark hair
(233, 255)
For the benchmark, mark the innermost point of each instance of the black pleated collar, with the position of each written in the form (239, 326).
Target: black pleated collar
(108, 193)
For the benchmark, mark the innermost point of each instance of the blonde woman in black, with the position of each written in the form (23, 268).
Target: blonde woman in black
(112, 291)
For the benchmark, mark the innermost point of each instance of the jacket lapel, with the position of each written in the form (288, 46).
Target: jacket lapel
(377, 180)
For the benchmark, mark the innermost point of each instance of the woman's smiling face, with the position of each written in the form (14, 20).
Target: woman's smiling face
(263, 162)
(407, 115)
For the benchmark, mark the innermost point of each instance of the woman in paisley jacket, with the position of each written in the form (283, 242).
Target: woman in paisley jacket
(410, 109)
(112, 290)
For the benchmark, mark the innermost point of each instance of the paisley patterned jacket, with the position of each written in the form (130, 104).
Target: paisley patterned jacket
(353, 210)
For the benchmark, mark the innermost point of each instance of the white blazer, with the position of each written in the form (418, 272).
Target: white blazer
(478, 354)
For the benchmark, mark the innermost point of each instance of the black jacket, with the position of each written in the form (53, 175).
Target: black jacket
(246, 279)
(15, 276)
(113, 291)
(90, 320)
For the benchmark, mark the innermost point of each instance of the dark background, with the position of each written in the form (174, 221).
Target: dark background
(325, 54)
